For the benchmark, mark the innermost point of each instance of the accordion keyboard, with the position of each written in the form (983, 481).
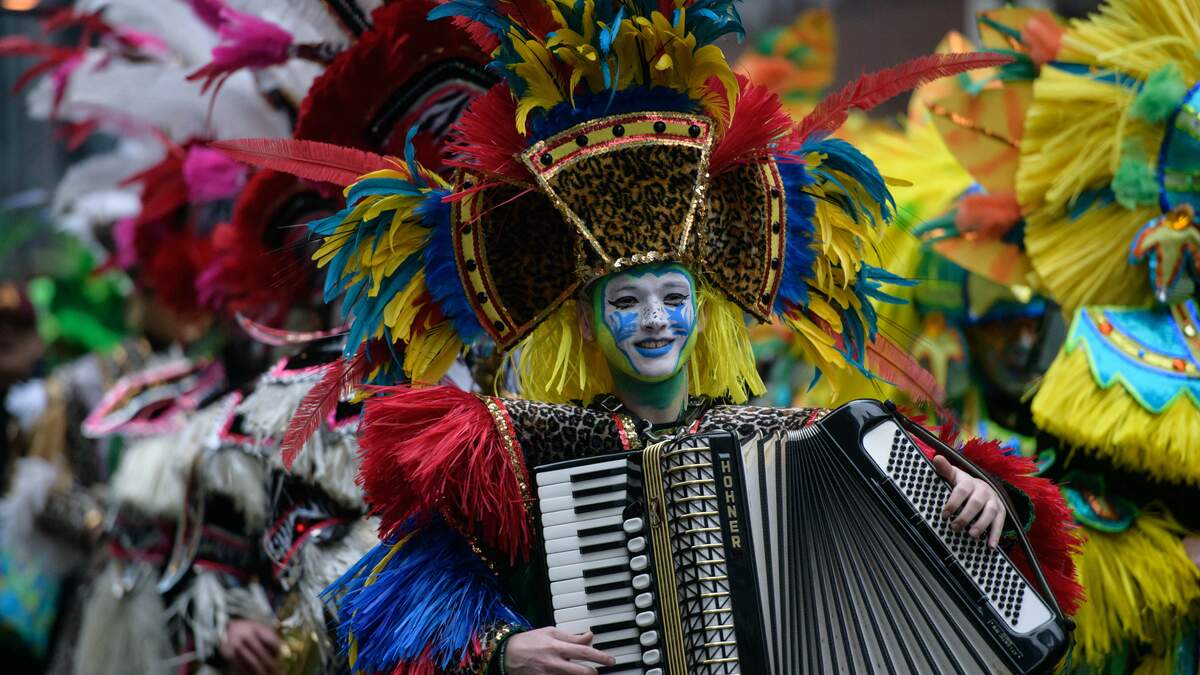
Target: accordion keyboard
(596, 560)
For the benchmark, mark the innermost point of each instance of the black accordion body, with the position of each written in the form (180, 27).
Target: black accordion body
(815, 551)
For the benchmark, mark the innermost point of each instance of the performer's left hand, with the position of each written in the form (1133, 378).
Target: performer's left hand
(975, 502)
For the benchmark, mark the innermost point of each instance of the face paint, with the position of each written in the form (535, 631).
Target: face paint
(645, 320)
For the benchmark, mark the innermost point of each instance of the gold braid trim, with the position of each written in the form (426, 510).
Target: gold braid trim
(509, 438)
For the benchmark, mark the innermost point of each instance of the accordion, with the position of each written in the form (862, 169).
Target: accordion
(816, 551)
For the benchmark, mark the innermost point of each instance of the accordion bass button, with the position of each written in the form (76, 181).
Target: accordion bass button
(638, 563)
(649, 638)
(643, 600)
(654, 671)
(644, 619)
(651, 657)
(633, 526)
(637, 544)
(641, 582)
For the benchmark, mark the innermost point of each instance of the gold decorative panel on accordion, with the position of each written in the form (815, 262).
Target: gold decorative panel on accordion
(817, 551)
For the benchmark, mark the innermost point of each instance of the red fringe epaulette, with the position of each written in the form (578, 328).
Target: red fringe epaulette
(425, 449)
(1053, 533)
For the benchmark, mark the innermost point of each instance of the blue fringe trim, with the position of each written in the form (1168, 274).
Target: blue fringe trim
(799, 256)
(428, 602)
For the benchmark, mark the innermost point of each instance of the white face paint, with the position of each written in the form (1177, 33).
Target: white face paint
(650, 316)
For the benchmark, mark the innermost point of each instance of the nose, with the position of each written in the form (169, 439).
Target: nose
(654, 319)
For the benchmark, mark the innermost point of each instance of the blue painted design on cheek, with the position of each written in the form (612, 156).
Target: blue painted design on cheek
(682, 319)
(623, 325)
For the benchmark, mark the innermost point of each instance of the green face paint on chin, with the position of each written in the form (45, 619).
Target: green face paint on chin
(645, 322)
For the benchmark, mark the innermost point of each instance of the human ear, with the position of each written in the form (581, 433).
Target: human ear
(583, 309)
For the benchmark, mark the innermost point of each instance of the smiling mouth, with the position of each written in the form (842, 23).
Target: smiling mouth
(653, 344)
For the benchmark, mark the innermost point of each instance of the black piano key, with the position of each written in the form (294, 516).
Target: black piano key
(619, 668)
(604, 588)
(597, 490)
(614, 644)
(611, 602)
(599, 506)
(596, 531)
(612, 627)
(602, 473)
(604, 571)
(597, 548)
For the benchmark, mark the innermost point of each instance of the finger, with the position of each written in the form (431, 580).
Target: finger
(568, 668)
(268, 638)
(984, 521)
(574, 638)
(958, 497)
(971, 509)
(263, 654)
(997, 529)
(945, 469)
(249, 663)
(584, 653)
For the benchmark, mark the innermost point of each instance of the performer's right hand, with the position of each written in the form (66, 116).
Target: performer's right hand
(250, 648)
(549, 651)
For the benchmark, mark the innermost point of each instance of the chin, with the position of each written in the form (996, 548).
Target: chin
(657, 368)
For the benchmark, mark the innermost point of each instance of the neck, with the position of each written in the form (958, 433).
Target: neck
(657, 402)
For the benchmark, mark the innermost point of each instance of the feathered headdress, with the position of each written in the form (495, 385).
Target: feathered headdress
(618, 137)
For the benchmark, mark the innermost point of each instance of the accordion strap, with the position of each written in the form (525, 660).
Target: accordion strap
(968, 466)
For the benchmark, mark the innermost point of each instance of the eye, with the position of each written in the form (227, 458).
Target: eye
(675, 299)
(623, 302)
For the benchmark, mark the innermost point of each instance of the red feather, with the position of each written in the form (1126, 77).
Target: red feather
(758, 121)
(874, 88)
(438, 447)
(485, 138)
(897, 366)
(311, 160)
(320, 401)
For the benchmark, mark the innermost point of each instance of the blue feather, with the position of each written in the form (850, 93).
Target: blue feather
(427, 603)
(441, 268)
(799, 255)
(844, 158)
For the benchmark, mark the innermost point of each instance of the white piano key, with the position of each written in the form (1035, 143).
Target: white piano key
(600, 638)
(614, 483)
(550, 506)
(596, 616)
(568, 515)
(577, 584)
(573, 527)
(651, 657)
(641, 582)
(643, 600)
(574, 543)
(637, 544)
(560, 475)
(638, 563)
(568, 558)
(561, 573)
(586, 624)
(645, 619)
(633, 525)
(583, 597)
(649, 638)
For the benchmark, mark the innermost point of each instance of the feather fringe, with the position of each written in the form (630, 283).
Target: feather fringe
(339, 379)
(242, 478)
(757, 123)
(1141, 588)
(311, 160)
(418, 605)
(426, 448)
(1111, 424)
(124, 625)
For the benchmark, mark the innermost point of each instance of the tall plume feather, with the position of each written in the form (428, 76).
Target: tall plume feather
(310, 160)
(340, 376)
(758, 121)
(893, 364)
(874, 88)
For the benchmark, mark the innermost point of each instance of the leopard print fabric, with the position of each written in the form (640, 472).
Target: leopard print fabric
(739, 230)
(634, 199)
(549, 432)
(746, 420)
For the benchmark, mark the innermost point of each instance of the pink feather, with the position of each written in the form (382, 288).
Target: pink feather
(311, 160)
(897, 366)
(874, 88)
